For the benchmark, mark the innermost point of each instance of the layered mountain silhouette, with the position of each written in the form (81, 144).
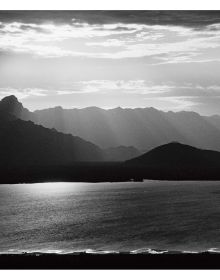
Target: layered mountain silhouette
(30, 143)
(176, 155)
(25, 143)
(30, 152)
(142, 128)
(11, 107)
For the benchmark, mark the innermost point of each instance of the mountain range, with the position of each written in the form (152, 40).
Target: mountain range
(23, 141)
(30, 152)
(28, 144)
(141, 128)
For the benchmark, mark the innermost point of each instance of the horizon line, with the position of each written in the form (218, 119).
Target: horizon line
(113, 108)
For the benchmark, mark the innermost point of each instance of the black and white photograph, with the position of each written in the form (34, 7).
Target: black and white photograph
(109, 139)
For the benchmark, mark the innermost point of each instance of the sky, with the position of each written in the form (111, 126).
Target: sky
(169, 60)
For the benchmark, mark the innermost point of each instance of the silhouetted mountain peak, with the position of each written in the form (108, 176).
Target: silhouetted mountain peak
(10, 105)
(175, 146)
(10, 102)
(173, 151)
(175, 154)
(10, 99)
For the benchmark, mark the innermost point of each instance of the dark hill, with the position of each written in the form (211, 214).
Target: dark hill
(23, 143)
(12, 109)
(177, 155)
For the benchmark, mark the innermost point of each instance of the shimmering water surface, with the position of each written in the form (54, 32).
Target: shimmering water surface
(67, 217)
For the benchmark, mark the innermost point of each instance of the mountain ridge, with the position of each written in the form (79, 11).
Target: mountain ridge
(11, 97)
(23, 142)
(177, 155)
(12, 110)
(142, 128)
(30, 152)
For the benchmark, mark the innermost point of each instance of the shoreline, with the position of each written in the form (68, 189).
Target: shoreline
(103, 172)
(109, 181)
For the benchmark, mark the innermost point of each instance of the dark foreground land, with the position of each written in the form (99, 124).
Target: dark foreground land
(101, 172)
(111, 261)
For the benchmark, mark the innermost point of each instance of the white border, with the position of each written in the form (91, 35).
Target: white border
(110, 274)
(109, 5)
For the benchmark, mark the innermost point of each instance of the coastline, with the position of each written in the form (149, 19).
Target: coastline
(102, 172)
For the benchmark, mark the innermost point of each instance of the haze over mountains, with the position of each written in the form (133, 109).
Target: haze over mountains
(31, 152)
(22, 141)
(141, 128)
(25, 143)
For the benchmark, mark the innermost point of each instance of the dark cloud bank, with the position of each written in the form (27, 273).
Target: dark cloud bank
(184, 18)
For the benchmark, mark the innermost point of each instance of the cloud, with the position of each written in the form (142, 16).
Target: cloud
(196, 19)
(176, 103)
(141, 87)
(108, 43)
(31, 38)
(22, 93)
(48, 32)
(165, 43)
(165, 97)
(103, 86)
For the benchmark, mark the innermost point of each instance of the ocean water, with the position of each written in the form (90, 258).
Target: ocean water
(93, 217)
